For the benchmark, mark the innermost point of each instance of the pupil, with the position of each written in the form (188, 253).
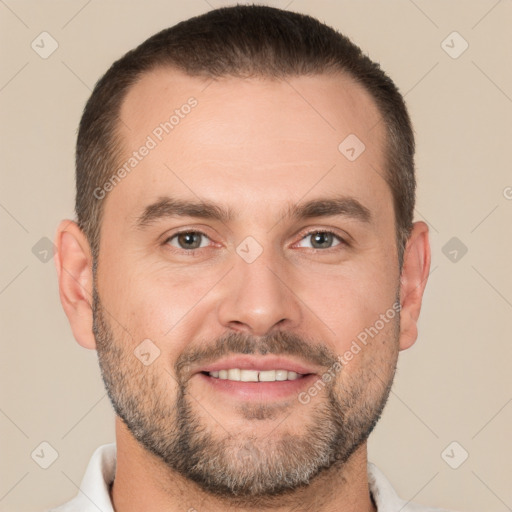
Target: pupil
(189, 240)
(322, 240)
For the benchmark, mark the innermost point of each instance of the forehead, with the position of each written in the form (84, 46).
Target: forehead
(327, 105)
(240, 141)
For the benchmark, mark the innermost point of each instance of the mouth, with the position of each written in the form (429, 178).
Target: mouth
(266, 378)
(242, 375)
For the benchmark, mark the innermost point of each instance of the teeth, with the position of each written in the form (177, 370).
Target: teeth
(248, 375)
(255, 375)
(234, 374)
(281, 374)
(268, 376)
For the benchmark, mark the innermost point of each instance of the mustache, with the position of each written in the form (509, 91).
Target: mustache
(277, 343)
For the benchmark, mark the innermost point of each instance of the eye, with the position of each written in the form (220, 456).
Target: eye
(188, 240)
(321, 240)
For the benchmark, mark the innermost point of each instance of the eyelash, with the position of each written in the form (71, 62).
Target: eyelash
(192, 252)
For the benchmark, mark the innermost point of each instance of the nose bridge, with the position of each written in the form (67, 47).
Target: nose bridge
(258, 296)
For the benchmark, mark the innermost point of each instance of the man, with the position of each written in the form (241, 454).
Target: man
(246, 266)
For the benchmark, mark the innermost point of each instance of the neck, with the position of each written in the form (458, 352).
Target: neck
(144, 482)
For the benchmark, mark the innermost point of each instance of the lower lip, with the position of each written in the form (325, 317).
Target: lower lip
(262, 391)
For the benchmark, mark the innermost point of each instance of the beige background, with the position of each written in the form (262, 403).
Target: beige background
(453, 385)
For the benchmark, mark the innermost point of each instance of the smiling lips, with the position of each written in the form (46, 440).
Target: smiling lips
(258, 378)
(257, 369)
(244, 375)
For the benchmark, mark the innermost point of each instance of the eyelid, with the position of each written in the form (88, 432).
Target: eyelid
(342, 235)
(203, 229)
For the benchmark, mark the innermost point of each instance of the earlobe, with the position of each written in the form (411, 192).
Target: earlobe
(413, 280)
(73, 261)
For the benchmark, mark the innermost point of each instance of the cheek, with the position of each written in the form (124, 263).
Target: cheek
(158, 302)
(352, 301)
(369, 362)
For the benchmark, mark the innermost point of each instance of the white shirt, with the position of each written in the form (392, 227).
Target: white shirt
(94, 496)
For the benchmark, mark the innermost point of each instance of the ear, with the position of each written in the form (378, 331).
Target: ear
(413, 280)
(73, 260)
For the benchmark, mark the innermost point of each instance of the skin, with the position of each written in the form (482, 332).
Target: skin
(255, 146)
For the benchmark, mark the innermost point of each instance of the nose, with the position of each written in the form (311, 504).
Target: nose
(258, 297)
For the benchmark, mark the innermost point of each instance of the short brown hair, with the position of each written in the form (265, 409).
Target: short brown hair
(240, 41)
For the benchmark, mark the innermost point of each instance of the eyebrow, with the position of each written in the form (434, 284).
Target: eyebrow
(168, 207)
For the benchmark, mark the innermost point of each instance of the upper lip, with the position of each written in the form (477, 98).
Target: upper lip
(246, 362)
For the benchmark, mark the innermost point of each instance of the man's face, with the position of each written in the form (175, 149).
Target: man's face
(262, 289)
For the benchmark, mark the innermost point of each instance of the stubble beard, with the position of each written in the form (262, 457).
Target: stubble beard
(235, 466)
